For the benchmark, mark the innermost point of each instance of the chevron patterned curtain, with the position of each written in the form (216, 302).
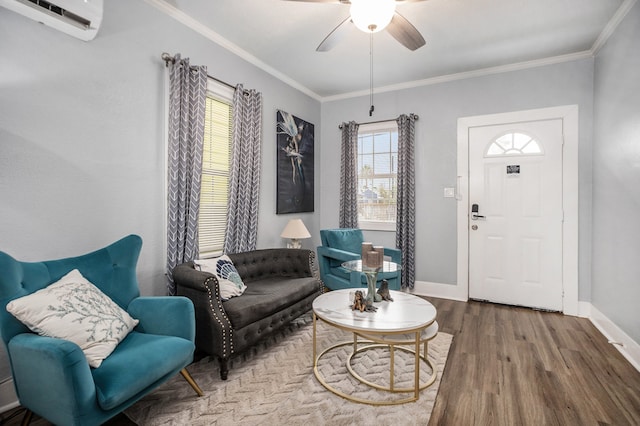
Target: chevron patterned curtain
(187, 99)
(406, 207)
(349, 176)
(244, 181)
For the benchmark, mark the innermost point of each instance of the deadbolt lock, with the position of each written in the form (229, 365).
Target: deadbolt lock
(474, 227)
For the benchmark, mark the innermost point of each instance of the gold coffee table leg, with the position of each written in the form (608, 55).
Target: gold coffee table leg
(417, 367)
(338, 392)
(392, 387)
(314, 338)
(392, 360)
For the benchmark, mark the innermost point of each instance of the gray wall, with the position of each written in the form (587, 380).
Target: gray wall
(82, 134)
(616, 178)
(439, 107)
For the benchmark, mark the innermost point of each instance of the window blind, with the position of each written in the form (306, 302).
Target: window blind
(216, 157)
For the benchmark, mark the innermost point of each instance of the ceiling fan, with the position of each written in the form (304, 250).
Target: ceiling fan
(372, 16)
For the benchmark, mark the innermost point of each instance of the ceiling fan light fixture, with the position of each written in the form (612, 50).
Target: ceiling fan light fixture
(372, 16)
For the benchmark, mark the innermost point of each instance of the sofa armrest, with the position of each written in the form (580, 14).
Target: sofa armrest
(213, 327)
(165, 315)
(48, 366)
(394, 254)
(313, 265)
(188, 276)
(327, 257)
(337, 254)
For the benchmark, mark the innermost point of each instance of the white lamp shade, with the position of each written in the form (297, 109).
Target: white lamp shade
(372, 16)
(295, 229)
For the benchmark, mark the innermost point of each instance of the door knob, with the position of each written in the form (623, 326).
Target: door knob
(474, 212)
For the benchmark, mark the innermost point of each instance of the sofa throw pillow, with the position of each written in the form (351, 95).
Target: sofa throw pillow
(76, 310)
(231, 284)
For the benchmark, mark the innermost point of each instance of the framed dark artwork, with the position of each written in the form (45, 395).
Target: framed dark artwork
(295, 168)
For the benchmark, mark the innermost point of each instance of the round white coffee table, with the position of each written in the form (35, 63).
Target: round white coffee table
(408, 320)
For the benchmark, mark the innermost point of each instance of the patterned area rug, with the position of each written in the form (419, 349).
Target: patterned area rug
(274, 384)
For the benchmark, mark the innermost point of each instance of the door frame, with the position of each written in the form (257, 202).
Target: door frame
(569, 116)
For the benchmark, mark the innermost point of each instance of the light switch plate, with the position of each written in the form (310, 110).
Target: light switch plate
(449, 192)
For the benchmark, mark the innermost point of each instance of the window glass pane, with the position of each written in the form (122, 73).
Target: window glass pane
(383, 163)
(381, 142)
(380, 183)
(520, 140)
(514, 144)
(377, 168)
(495, 149)
(366, 166)
(532, 148)
(367, 144)
(505, 141)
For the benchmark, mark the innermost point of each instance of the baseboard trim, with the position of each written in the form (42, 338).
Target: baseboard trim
(628, 347)
(444, 291)
(584, 310)
(8, 397)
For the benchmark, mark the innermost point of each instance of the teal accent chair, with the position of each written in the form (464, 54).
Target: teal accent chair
(344, 244)
(52, 377)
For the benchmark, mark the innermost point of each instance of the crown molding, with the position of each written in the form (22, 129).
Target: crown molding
(607, 31)
(207, 32)
(611, 26)
(465, 75)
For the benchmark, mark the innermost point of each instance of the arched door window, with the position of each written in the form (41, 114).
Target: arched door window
(514, 143)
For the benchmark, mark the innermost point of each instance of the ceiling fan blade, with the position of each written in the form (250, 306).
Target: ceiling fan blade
(403, 31)
(335, 36)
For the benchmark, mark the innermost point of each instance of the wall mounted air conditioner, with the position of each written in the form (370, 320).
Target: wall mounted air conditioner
(78, 18)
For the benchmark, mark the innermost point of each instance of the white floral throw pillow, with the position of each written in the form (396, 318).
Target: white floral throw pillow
(76, 310)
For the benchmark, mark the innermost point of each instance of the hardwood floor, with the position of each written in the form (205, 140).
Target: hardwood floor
(516, 366)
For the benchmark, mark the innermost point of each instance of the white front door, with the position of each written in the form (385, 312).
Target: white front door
(515, 213)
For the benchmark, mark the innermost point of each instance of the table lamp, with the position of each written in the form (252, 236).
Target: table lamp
(295, 230)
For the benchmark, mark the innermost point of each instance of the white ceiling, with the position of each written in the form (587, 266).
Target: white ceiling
(463, 37)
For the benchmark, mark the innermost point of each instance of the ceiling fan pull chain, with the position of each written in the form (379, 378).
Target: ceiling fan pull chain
(371, 108)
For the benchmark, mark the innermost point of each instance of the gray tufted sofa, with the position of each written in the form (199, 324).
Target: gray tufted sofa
(281, 285)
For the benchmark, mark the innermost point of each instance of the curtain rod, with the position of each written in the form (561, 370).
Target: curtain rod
(168, 58)
(380, 121)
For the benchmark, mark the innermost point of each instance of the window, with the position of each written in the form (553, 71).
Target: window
(514, 144)
(377, 175)
(216, 159)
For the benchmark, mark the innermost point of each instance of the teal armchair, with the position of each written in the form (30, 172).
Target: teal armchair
(52, 377)
(341, 245)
